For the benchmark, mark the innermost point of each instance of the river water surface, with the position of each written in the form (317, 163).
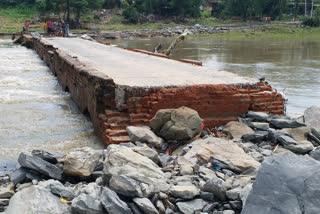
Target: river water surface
(289, 65)
(35, 113)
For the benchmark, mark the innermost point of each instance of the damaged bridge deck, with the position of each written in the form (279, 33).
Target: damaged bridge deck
(118, 87)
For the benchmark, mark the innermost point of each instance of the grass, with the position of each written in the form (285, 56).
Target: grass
(12, 19)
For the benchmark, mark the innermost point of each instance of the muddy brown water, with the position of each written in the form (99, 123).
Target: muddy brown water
(290, 65)
(35, 113)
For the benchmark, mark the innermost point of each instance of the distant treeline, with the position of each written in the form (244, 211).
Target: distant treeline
(134, 10)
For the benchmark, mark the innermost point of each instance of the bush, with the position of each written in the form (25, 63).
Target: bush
(130, 13)
(312, 22)
(205, 14)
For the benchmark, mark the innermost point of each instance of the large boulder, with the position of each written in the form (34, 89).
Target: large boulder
(312, 117)
(124, 185)
(185, 192)
(80, 162)
(145, 205)
(286, 183)
(177, 124)
(190, 207)
(227, 153)
(120, 160)
(40, 165)
(144, 135)
(236, 129)
(36, 199)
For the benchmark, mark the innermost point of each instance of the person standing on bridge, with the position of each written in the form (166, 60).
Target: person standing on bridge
(67, 29)
(45, 27)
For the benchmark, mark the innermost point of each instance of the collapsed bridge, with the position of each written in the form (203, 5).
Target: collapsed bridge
(118, 87)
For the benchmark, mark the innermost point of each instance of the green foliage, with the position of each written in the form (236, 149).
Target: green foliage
(205, 14)
(254, 8)
(110, 4)
(130, 13)
(313, 21)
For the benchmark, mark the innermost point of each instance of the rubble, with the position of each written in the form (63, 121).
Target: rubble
(207, 175)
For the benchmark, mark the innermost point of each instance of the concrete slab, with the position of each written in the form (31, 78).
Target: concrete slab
(140, 70)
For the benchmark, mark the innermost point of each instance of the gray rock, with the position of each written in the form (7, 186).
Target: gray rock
(301, 147)
(260, 126)
(286, 140)
(36, 199)
(315, 154)
(81, 161)
(285, 123)
(50, 157)
(228, 212)
(147, 152)
(91, 189)
(161, 207)
(234, 194)
(257, 116)
(311, 117)
(256, 137)
(185, 192)
(206, 173)
(145, 205)
(121, 160)
(112, 203)
(85, 204)
(39, 165)
(235, 130)
(190, 207)
(245, 193)
(144, 135)
(217, 186)
(18, 176)
(176, 124)
(124, 185)
(186, 167)
(134, 208)
(4, 202)
(226, 152)
(273, 135)
(60, 190)
(256, 156)
(166, 160)
(23, 186)
(147, 190)
(207, 196)
(292, 186)
(6, 192)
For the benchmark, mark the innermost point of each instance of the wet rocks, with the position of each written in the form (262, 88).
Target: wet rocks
(41, 166)
(236, 129)
(80, 162)
(176, 124)
(292, 183)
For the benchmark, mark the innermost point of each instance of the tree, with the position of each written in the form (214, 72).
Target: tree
(82, 5)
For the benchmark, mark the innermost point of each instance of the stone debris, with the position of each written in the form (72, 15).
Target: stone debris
(253, 162)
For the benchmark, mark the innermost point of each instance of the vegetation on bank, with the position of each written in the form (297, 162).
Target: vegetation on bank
(184, 13)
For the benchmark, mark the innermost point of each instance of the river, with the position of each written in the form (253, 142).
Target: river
(290, 65)
(35, 113)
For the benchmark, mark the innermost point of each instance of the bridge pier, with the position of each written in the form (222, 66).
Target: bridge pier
(115, 102)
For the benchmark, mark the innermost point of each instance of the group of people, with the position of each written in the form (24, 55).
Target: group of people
(51, 27)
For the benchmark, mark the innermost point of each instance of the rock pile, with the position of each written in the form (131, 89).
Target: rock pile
(208, 175)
